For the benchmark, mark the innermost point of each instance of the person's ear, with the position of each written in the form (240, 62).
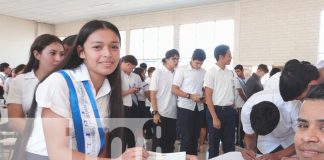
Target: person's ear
(36, 54)
(80, 52)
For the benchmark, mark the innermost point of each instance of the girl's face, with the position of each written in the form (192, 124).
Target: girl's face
(50, 57)
(101, 52)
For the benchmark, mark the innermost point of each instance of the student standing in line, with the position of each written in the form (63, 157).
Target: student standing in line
(219, 92)
(164, 104)
(187, 85)
(46, 53)
(93, 73)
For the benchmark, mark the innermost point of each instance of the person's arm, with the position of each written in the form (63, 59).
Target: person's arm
(178, 92)
(156, 116)
(249, 153)
(57, 140)
(16, 118)
(287, 152)
(147, 95)
(240, 91)
(210, 105)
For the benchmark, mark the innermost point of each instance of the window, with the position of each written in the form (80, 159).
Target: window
(321, 39)
(151, 43)
(122, 43)
(207, 36)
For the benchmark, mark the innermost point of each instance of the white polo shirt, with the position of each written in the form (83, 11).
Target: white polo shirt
(161, 82)
(273, 82)
(222, 83)
(191, 81)
(21, 90)
(129, 81)
(53, 93)
(147, 84)
(284, 133)
(239, 102)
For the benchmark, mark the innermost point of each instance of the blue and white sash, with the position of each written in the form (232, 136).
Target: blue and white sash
(86, 131)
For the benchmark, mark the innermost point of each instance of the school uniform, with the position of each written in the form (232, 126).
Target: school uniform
(222, 83)
(283, 134)
(191, 81)
(161, 82)
(53, 94)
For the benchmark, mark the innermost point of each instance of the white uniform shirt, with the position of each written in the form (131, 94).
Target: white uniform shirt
(161, 82)
(3, 77)
(222, 83)
(129, 81)
(284, 133)
(191, 81)
(21, 90)
(147, 84)
(141, 93)
(273, 82)
(53, 93)
(239, 102)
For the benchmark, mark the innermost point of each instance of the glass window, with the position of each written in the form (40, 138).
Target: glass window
(122, 43)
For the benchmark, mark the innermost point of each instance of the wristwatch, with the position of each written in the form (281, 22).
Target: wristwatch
(188, 95)
(154, 112)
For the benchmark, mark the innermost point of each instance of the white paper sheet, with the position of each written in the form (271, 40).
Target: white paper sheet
(167, 156)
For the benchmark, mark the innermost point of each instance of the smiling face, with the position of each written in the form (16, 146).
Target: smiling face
(309, 138)
(101, 52)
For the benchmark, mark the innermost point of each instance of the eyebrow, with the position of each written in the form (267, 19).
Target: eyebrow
(302, 120)
(103, 42)
(305, 121)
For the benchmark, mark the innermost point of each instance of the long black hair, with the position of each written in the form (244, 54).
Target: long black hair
(39, 44)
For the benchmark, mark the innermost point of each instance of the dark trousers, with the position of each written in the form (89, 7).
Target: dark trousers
(239, 128)
(164, 135)
(189, 127)
(226, 133)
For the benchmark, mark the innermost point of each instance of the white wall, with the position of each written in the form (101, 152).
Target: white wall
(266, 31)
(17, 36)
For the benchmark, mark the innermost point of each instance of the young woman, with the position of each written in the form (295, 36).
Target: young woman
(93, 73)
(46, 53)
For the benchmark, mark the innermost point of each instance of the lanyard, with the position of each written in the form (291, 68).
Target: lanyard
(76, 116)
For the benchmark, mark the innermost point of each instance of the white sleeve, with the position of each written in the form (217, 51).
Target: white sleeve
(209, 79)
(237, 83)
(15, 90)
(178, 77)
(245, 117)
(53, 93)
(154, 81)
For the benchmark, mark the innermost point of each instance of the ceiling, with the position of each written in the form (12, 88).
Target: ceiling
(64, 11)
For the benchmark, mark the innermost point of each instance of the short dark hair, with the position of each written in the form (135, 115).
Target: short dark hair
(139, 71)
(143, 65)
(316, 92)
(171, 53)
(274, 71)
(240, 67)
(263, 68)
(295, 78)
(220, 50)
(264, 117)
(129, 59)
(3, 66)
(150, 70)
(199, 55)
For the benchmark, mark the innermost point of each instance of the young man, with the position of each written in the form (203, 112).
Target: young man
(240, 98)
(131, 83)
(253, 84)
(295, 81)
(309, 138)
(163, 102)
(5, 70)
(187, 85)
(219, 92)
